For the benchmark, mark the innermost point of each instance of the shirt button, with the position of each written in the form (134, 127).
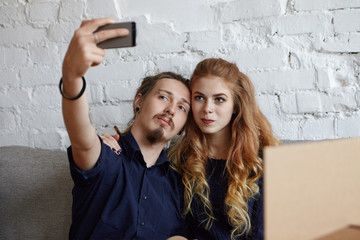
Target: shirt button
(145, 197)
(142, 223)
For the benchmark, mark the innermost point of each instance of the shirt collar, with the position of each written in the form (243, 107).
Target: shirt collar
(131, 147)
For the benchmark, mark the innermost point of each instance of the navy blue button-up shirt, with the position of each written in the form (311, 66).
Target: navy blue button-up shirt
(120, 198)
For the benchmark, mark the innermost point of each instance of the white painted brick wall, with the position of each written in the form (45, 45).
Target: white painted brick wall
(313, 128)
(320, 5)
(258, 59)
(15, 57)
(302, 23)
(348, 127)
(286, 127)
(347, 21)
(14, 98)
(287, 80)
(42, 12)
(303, 57)
(303, 100)
(249, 9)
(288, 103)
(184, 15)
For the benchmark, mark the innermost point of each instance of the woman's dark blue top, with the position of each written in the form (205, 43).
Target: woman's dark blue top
(221, 229)
(120, 198)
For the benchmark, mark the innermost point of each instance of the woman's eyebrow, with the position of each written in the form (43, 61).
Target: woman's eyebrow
(214, 95)
(220, 94)
(197, 92)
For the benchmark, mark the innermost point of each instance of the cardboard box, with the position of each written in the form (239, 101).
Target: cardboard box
(312, 189)
(348, 233)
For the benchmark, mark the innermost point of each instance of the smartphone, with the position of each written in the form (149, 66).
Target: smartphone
(120, 42)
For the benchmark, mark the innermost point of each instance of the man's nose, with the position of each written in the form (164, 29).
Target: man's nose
(170, 109)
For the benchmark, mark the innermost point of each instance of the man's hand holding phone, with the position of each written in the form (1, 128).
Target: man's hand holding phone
(119, 42)
(83, 51)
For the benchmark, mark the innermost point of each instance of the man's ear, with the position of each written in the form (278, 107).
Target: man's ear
(138, 101)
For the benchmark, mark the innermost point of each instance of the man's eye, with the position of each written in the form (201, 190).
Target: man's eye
(163, 97)
(182, 108)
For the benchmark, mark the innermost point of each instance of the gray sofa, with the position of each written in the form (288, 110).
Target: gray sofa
(35, 197)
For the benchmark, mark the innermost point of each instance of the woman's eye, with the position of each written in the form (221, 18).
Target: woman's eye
(219, 99)
(199, 98)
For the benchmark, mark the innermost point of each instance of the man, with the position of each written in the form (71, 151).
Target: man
(133, 194)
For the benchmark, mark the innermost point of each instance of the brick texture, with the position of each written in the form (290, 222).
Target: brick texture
(303, 57)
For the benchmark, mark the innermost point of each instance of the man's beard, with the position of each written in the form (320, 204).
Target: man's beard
(155, 136)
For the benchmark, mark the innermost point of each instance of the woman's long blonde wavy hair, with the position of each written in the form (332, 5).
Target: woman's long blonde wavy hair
(251, 132)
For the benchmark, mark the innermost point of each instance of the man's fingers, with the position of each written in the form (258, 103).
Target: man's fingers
(93, 24)
(96, 59)
(90, 26)
(97, 55)
(82, 52)
(111, 33)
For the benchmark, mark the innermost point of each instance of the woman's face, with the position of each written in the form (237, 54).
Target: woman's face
(212, 104)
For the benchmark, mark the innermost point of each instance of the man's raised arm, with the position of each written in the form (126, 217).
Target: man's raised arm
(80, 56)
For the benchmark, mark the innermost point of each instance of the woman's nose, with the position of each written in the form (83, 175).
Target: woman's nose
(208, 107)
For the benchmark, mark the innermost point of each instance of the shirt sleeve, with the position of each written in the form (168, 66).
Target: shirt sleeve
(80, 176)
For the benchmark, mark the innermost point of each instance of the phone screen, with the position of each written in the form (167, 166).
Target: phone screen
(120, 42)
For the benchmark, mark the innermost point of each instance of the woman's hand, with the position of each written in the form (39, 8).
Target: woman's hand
(112, 142)
(177, 238)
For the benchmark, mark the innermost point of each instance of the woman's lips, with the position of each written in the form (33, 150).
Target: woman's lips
(207, 121)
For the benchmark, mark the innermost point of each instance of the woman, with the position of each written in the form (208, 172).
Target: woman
(220, 155)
